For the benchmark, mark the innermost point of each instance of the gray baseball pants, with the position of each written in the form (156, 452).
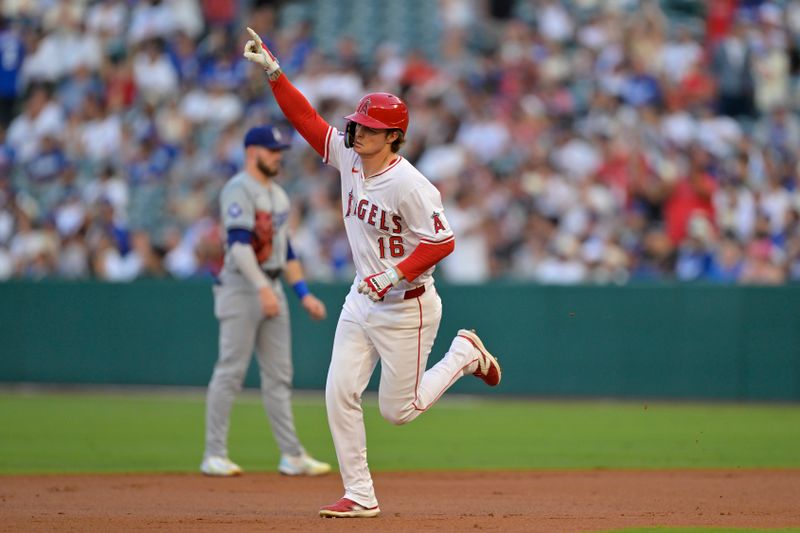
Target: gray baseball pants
(242, 329)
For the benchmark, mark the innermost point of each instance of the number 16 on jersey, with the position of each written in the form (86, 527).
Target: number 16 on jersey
(392, 244)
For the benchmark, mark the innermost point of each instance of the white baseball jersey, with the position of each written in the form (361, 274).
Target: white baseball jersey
(386, 216)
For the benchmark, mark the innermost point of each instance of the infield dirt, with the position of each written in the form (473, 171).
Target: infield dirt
(533, 501)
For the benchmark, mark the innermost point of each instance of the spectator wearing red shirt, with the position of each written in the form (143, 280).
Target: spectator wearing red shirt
(719, 18)
(690, 196)
(220, 12)
(626, 171)
(698, 87)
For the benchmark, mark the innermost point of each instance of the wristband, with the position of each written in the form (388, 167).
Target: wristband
(301, 289)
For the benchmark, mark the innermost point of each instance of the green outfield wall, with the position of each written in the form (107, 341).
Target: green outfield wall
(651, 341)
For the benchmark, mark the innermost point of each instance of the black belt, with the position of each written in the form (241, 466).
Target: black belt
(273, 273)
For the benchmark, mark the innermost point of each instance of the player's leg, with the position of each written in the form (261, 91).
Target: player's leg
(407, 389)
(403, 334)
(237, 312)
(353, 361)
(459, 361)
(274, 355)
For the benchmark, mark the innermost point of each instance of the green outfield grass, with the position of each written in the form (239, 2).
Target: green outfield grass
(157, 432)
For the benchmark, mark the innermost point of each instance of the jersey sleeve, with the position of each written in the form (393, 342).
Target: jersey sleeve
(424, 214)
(302, 115)
(324, 138)
(236, 208)
(336, 155)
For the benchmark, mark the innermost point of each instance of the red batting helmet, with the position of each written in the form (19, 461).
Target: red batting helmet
(380, 111)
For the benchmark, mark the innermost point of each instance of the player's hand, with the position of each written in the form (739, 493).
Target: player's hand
(377, 285)
(269, 302)
(256, 51)
(314, 307)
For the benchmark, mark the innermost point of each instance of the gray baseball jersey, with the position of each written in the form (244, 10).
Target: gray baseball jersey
(240, 198)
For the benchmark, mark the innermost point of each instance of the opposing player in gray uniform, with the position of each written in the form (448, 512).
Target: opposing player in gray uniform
(251, 307)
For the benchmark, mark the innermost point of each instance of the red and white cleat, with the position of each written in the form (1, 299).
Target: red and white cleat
(488, 367)
(346, 508)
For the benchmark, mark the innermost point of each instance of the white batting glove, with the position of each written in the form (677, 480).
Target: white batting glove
(256, 51)
(377, 285)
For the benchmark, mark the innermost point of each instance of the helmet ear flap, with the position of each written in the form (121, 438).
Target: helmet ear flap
(350, 134)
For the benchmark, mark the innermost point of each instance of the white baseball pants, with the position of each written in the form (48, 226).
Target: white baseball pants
(399, 333)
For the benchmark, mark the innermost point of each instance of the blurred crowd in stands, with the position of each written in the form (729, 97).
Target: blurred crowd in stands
(573, 141)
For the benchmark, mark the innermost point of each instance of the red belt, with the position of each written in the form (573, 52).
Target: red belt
(413, 293)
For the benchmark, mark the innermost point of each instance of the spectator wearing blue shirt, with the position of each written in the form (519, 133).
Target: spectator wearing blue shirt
(12, 54)
(641, 88)
(727, 261)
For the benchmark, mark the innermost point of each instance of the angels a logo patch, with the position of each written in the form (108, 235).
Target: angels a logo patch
(364, 107)
(437, 223)
(234, 210)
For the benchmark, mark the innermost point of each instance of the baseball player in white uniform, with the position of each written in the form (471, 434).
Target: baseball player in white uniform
(251, 307)
(397, 231)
